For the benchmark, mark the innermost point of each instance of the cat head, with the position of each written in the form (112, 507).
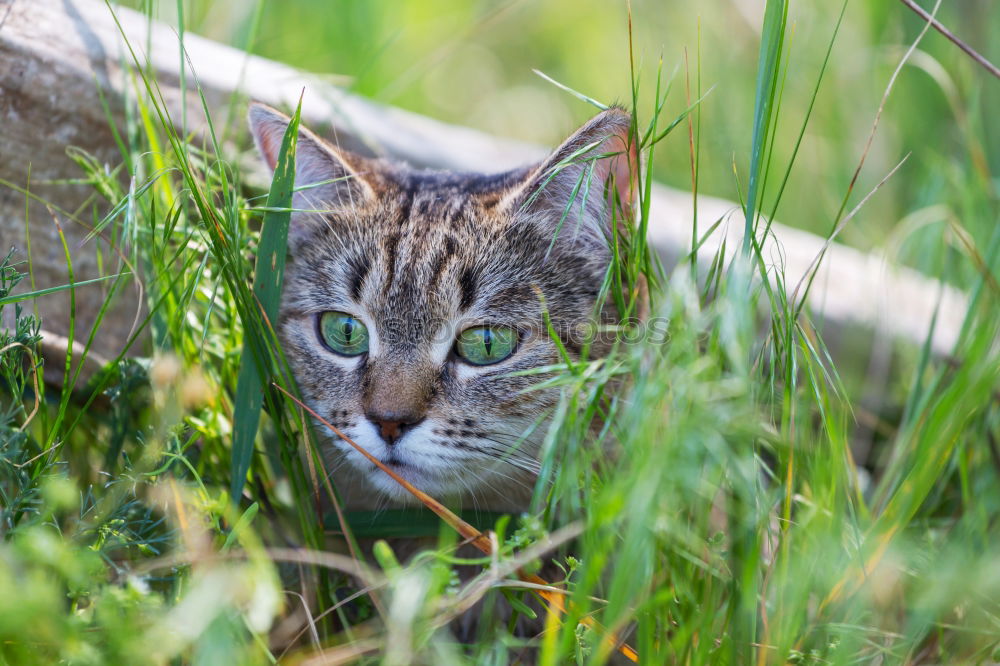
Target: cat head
(413, 303)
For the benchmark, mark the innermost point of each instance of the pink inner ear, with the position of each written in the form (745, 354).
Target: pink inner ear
(268, 128)
(269, 144)
(621, 170)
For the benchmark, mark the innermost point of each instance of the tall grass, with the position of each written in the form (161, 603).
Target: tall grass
(701, 495)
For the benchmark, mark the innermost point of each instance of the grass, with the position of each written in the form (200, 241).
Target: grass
(717, 507)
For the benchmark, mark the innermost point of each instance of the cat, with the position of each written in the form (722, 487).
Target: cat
(413, 299)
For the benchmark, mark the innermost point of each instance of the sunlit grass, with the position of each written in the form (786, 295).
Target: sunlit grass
(700, 490)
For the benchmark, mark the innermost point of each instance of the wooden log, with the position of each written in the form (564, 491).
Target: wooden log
(55, 53)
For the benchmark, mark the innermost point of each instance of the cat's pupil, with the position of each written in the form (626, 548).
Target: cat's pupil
(488, 340)
(348, 329)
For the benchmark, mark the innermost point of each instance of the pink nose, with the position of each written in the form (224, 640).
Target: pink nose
(391, 430)
(392, 426)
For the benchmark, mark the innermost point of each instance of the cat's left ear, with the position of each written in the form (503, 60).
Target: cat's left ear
(587, 188)
(326, 178)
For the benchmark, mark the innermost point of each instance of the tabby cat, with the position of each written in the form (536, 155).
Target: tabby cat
(413, 299)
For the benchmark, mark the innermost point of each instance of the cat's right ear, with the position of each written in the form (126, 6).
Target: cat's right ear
(326, 179)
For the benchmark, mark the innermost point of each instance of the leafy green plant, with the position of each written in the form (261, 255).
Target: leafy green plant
(702, 499)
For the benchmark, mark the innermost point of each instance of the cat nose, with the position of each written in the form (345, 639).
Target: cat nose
(393, 426)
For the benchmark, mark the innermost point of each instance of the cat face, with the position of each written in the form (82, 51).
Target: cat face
(413, 305)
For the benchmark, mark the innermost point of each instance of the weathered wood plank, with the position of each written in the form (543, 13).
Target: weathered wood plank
(54, 53)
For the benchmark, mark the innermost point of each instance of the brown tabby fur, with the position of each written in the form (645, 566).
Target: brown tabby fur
(418, 256)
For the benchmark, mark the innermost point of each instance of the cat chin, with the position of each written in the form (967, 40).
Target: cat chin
(417, 461)
(453, 493)
(397, 494)
(388, 489)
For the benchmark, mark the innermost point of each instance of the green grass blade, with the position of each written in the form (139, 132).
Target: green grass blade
(772, 39)
(28, 295)
(268, 277)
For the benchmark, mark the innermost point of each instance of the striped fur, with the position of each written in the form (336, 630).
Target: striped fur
(419, 256)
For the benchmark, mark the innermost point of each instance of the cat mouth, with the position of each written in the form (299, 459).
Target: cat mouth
(396, 464)
(406, 470)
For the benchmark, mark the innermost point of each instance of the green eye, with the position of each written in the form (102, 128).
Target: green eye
(343, 333)
(484, 345)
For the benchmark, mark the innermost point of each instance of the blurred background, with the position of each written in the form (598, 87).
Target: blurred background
(471, 63)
